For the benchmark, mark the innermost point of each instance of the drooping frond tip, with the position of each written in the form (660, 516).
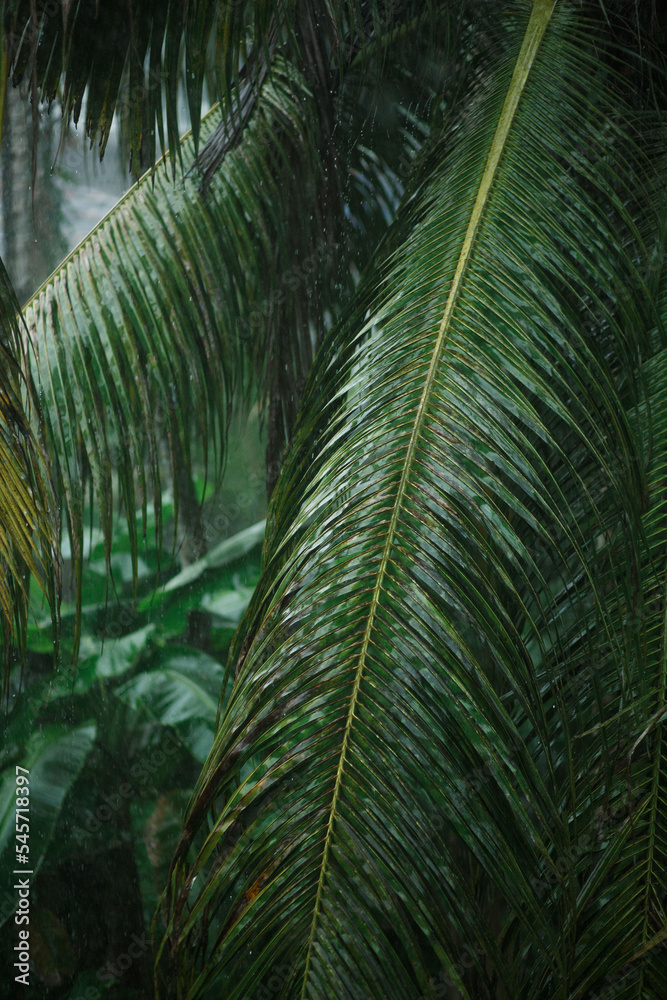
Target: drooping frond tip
(28, 533)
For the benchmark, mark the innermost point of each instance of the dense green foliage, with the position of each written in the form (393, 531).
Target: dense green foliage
(112, 754)
(438, 769)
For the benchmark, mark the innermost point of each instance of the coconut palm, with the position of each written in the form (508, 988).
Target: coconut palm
(441, 769)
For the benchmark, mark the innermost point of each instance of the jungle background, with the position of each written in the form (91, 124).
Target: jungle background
(113, 755)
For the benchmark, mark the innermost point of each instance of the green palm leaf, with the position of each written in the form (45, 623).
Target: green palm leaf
(175, 307)
(28, 534)
(421, 777)
(630, 835)
(137, 336)
(128, 60)
(125, 59)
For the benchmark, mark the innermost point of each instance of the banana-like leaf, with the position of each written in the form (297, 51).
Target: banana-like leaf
(28, 533)
(440, 768)
(181, 691)
(51, 763)
(239, 545)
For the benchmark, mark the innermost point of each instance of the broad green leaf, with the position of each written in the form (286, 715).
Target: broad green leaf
(220, 583)
(53, 757)
(224, 553)
(118, 655)
(183, 692)
(228, 604)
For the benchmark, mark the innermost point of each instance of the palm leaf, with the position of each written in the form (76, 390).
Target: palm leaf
(338, 182)
(137, 335)
(28, 535)
(177, 305)
(632, 832)
(420, 776)
(125, 59)
(128, 60)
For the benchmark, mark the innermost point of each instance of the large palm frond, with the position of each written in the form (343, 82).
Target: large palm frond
(183, 300)
(441, 764)
(127, 59)
(137, 336)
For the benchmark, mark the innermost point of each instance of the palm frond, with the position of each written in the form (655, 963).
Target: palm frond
(132, 351)
(421, 776)
(358, 72)
(126, 60)
(629, 834)
(138, 337)
(27, 509)
(129, 60)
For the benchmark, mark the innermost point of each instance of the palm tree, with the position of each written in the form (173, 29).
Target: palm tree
(441, 770)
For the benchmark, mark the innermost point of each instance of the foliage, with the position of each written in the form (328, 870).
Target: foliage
(131, 356)
(271, 225)
(28, 533)
(108, 787)
(439, 765)
(445, 731)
